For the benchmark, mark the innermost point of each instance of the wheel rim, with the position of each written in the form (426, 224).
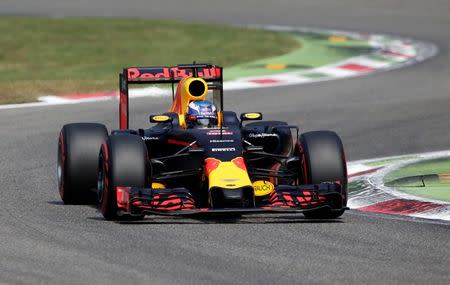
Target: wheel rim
(59, 167)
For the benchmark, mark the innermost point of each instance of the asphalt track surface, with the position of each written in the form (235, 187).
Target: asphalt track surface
(397, 112)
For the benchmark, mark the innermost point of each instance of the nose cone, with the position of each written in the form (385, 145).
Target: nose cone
(229, 183)
(242, 197)
(227, 174)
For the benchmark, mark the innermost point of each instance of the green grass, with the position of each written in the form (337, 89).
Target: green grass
(40, 56)
(434, 188)
(316, 51)
(434, 166)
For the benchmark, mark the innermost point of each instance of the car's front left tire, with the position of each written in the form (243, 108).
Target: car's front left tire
(324, 160)
(123, 161)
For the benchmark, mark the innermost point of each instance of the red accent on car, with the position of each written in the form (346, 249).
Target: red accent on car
(164, 202)
(123, 196)
(165, 73)
(211, 164)
(192, 118)
(181, 143)
(123, 111)
(239, 162)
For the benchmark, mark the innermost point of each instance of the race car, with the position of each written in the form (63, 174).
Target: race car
(199, 158)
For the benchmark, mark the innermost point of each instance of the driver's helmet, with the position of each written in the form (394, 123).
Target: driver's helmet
(202, 114)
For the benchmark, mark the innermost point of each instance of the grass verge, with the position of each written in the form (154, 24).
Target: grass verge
(317, 50)
(418, 179)
(41, 56)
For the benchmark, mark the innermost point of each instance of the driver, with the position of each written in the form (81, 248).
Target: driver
(201, 114)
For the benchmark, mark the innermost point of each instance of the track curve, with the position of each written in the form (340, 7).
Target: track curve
(402, 111)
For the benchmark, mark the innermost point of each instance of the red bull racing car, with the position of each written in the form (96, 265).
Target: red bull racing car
(198, 158)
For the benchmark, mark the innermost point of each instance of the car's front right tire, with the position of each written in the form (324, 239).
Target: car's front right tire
(78, 147)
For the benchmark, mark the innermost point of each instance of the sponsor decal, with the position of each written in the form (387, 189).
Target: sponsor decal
(262, 135)
(160, 118)
(262, 187)
(223, 149)
(218, 133)
(165, 73)
(252, 116)
(145, 138)
(221, 141)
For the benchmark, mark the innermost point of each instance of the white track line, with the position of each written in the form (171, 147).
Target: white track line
(378, 192)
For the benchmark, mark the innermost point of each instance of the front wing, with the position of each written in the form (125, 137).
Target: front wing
(179, 201)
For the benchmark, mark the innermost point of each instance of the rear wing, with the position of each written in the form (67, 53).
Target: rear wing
(212, 74)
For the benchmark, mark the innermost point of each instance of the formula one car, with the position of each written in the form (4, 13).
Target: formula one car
(199, 158)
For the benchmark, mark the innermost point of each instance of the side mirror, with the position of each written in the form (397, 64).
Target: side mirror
(293, 163)
(160, 119)
(254, 116)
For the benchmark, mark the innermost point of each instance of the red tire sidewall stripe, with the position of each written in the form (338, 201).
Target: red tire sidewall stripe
(345, 174)
(105, 200)
(63, 167)
(304, 166)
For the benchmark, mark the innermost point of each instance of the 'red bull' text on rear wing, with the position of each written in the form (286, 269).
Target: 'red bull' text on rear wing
(212, 74)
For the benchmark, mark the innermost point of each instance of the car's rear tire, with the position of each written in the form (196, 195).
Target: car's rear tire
(78, 147)
(123, 161)
(324, 161)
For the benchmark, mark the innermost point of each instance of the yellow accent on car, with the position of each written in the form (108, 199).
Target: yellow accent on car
(262, 187)
(229, 176)
(187, 96)
(219, 118)
(252, 116)
(181, 120)
(156, 185)
(189, 89)
(161, 118)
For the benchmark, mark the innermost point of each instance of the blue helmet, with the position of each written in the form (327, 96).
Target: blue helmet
(201, 113)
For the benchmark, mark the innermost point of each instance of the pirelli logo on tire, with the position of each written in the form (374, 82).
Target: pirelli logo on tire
(262, 187)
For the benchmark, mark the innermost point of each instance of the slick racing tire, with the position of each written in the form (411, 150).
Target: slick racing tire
(324, 161)
(123, 161)
(78, 148)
